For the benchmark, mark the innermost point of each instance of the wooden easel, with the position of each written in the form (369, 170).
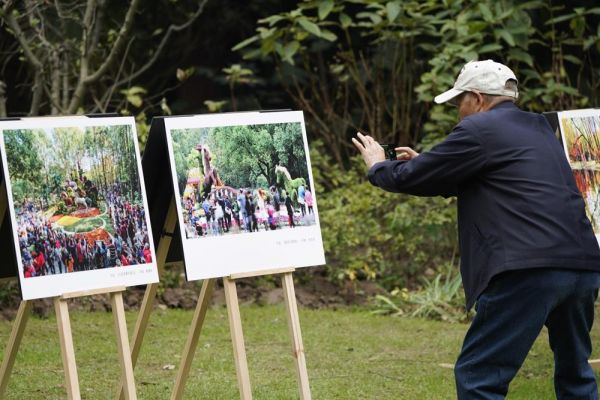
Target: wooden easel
(150, 294)
(66, 338)
(234, 321)
(66, 341)
(237, 335)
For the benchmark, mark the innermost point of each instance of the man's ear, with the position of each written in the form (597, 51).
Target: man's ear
(478, 98)
(480, 101)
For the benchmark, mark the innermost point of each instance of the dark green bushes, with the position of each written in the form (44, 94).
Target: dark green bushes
(372, 234)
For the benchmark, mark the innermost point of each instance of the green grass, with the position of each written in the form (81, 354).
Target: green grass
(350, 353)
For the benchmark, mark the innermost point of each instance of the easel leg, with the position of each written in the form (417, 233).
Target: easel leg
(192, 341)
(67, 350)
(118, 311)
(14, 342)
(237, 339)
(287, 282)
(140, 328)
(150, 294)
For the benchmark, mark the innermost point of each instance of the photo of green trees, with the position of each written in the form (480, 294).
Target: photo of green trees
(241, 179)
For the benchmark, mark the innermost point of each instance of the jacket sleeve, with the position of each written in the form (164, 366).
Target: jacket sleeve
(436, 172)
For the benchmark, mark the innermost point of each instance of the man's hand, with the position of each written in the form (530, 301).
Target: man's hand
(369, 149)
(405, 153)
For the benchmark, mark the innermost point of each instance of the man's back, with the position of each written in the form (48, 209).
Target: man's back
(522, 208)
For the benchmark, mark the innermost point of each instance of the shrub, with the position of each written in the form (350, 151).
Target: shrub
(372, 234)
(440, 298)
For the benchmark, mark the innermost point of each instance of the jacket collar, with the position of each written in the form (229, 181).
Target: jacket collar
(504, 104)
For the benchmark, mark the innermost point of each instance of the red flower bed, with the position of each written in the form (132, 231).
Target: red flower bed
(55, 218)
(90, 212)
(96, 234)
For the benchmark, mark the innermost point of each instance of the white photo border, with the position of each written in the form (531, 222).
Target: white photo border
(57, 285)
(227, 255)
(582, 113)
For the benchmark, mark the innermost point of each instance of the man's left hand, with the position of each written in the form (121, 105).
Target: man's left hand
(370, 150)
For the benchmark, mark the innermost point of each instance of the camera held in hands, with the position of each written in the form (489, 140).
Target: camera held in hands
(390, 152)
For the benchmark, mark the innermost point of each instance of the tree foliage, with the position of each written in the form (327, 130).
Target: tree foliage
(44, 162)
(254, 151)
(375, 65)
(245, 155)
(84, 56)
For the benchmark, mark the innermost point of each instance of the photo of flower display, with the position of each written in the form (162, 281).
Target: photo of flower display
(581, 137)
(77, 201)
(243, 179)
(244, 192)
(580, 132)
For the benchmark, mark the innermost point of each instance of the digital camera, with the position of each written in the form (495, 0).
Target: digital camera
(390, 152)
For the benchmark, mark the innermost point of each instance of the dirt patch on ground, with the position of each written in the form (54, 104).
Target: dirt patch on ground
(316, 292)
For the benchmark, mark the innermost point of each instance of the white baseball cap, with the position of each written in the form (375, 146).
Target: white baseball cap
(488, 77)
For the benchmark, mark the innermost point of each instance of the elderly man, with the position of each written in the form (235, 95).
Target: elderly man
(529, 256)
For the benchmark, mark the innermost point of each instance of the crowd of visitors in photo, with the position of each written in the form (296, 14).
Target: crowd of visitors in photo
(47, 249)
(247, 210)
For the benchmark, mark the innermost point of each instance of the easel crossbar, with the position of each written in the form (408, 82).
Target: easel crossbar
(92, 292)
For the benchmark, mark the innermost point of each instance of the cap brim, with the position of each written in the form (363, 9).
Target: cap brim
(447, 95)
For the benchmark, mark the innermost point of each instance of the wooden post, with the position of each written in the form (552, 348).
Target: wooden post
(150, 294)
(66, 337)
(14, 342)
(287, 283)
(237, 338)
(593, 363)
(192, 341)
(66, 348)
(127, 378)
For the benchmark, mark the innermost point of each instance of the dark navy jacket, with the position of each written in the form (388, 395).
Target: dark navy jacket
(518, 205)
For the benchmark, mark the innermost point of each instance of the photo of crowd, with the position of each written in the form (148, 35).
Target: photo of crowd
(242, 179)
(77, 199)
(581, 135)
(581, 138)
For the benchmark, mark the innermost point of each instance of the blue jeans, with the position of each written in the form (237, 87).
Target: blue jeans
(511, 312)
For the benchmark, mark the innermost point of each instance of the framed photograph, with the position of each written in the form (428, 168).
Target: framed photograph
(244, 193)
(580, 133)
(581, 137)
(77, 204)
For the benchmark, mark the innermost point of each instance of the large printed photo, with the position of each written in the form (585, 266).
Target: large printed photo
(242, 179)
(77, 203)
(580, 131)
(244, 182)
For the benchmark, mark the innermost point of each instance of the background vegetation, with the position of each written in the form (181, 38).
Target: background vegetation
(369, 65)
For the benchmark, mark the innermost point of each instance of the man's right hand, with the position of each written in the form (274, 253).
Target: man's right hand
(405, 153)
